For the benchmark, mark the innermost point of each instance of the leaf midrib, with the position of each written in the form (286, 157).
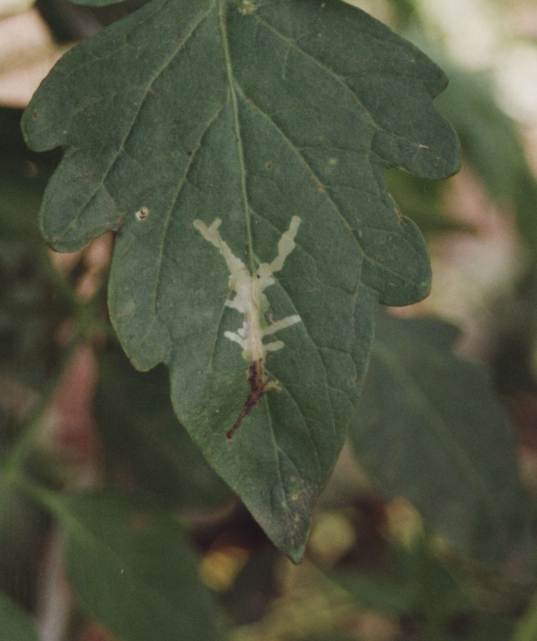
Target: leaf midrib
(222, 17)
(327, 191)
(232, 87)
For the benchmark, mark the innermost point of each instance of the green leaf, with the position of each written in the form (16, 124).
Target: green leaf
(143, 443)
(22, 529)
(277, 118)
(132, 570)
(14, 623)
(23, 177)
(484, 128)
(408, 580)
(526, 628)
(384, 594)
(30, 306)
(430, 429)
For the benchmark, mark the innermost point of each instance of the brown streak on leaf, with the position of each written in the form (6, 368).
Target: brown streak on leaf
(258, 388)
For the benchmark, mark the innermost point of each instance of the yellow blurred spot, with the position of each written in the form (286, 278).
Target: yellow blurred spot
(219, 568)
(332, 536)
(404, 523)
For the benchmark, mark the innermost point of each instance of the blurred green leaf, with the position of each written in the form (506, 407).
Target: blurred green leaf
(383, 593)
(143, 441)
(15, 625)
(484, 626)
(22, 527)
(132, 570)
(404, 12)
(435, 596)
(406, 581)
(30, 311)
(255, 587)
(327, 637)
(31, 303)
(484, 129)
(23, 176)
(526, 629)
(429, 428)
(421, 200)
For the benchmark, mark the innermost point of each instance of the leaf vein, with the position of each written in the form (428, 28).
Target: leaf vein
(238, 134)
(169, 213)
(146, 92)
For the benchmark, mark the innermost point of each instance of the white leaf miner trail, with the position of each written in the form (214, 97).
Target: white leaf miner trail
(251, 302)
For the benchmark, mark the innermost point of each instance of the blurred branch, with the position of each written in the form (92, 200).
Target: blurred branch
(54, 598)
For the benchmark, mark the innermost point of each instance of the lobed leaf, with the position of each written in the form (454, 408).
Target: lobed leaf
(238, 149)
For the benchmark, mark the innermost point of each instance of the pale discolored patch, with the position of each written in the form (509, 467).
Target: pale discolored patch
(247, 7)
(249, 299)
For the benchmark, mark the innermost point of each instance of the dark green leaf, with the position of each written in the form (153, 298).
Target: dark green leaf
(406, 582)
(430, 429)
(15, 625)
(145, 444)
(255, 588)
(526, 629)
(133, 571)
(30, 305)
(382, 593)
(22, 528)
(278, 118)
(23, 177)
(484, 626)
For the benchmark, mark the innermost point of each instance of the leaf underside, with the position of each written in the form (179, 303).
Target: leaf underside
(253, 113)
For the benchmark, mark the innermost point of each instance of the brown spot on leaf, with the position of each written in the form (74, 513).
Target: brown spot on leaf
(259, 386)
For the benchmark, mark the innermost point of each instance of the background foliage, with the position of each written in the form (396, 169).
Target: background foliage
(113, 527)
